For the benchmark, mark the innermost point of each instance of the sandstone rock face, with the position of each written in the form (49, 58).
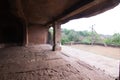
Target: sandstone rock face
(37, 34)
(17, 16)
(45, 11)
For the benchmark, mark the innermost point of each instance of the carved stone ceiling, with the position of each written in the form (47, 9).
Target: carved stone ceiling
(48, 11)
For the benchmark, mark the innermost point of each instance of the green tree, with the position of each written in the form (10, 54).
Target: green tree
(64, 39)
(86, 37)
(116, 39)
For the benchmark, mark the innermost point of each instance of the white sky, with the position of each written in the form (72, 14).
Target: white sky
(106, 23)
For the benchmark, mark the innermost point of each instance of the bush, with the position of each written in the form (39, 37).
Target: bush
(114, 40)
(64, 40)
(86, 40)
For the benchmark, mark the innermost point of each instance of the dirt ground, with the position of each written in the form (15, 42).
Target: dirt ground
(101, 50)
(108, 65)
(40, 63)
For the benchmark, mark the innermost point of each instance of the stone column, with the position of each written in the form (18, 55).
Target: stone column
(56, 36)
(25, 36)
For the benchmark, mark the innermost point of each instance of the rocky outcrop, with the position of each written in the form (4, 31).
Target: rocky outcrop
(47, 11)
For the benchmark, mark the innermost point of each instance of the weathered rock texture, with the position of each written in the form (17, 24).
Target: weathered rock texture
(16, 16)
(45, 11)
(37, 34)
(40, 63)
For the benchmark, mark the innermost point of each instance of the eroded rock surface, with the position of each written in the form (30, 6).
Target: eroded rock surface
(40, 63)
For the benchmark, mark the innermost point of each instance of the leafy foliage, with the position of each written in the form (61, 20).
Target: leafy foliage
(77, 36)
(115, 39)
(88, 37)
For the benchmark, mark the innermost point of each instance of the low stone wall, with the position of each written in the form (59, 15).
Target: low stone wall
(100, 44)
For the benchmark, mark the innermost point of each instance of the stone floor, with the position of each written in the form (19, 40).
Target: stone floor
(40, 63)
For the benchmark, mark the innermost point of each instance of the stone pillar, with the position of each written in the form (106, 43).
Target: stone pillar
(25, 36)
(56, 36)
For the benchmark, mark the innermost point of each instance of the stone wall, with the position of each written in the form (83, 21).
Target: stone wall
(11, 31)
(11, 26)
(37, 34)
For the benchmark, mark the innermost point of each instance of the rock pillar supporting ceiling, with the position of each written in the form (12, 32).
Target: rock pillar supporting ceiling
(56, 36)
(26, 21)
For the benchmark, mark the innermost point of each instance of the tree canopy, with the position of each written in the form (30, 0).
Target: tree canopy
(88, 37)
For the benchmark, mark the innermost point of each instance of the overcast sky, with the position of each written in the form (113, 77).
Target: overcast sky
(106, 23)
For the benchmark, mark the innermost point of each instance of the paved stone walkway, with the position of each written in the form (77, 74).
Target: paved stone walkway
(40, 63)
(108, 65)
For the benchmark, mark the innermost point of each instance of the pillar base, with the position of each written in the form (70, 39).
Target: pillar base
(56, 48)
